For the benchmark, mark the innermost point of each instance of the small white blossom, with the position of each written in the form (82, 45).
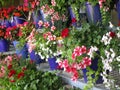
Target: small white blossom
(111, 25)
(54, 42)
(118, 58)
(107, 53)
(106, 39)
(118, 35)
(92, 50)
(42, 57)
(47, 56)
(54, 54)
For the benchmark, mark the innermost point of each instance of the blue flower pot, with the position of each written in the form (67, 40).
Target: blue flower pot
(23, 52)
(118, 8)
(72, 15)
(52, 63)
(17, 20)
(6, 23)
(94, 67)
(4, 45)
(36, 58)
(39, 15)
(93, 13)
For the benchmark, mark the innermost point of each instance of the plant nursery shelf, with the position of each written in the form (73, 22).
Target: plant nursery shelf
(7, 53)
(66, 77)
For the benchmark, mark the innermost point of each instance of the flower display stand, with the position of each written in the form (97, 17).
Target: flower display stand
(67, 78)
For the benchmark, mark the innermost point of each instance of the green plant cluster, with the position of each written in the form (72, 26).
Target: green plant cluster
(32, 78)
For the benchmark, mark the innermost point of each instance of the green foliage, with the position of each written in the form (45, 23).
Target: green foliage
(32, 79)
(4, 3)
(90, 35)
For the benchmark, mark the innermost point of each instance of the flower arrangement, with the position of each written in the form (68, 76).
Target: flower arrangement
(78, 59)
(6, 13)
(22, 74)
(12, 33)
(20, 11)
(110, 55)
(47, 36)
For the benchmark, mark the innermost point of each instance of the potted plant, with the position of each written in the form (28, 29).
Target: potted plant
(89, 36)
(110, 56)
(17, 74)
(46, 37)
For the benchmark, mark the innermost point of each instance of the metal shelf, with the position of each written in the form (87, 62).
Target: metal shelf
(66, 77)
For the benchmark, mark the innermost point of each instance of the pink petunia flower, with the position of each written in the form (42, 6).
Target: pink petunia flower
(46, 24)
(53, 2)
(53, 28)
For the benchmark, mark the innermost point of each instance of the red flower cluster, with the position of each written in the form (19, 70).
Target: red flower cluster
(21, 74)
(78, 51)
(70, 68)
(76, 65)
(9, 66)
(74, 20)
(19, 10)
(5, 12)
(65, 33)
(11, 73)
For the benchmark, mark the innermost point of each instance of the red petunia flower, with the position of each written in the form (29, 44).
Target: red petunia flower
(17, 14)
(9, 66)
(21, 74)
(74, 20)
(112, 34)
(11, 73)
(65, 32)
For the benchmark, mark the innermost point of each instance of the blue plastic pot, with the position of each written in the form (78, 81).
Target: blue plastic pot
(6, 23)
(94, 66)
(17, 20)
(4, 45)
(118, 8)
(93, 13)
(72, 15)
(52, 63)
(36, 58)
(23, 52)
(39, 15)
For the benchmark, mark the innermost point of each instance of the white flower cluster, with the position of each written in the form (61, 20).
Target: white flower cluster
(46, 52)
(92, 49)
(106, 39)
(110, 56)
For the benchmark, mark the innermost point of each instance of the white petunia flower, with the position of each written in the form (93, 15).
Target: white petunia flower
(107, 54)
(118, 35)
(111, 25)
(42, 57)
(47, 56)
(118, 58)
